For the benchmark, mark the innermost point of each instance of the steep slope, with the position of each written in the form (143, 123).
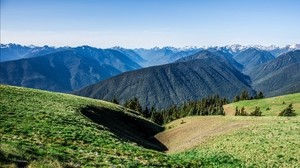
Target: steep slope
(170, 84)
(252, 57)
(278, 76)
(39, 128)
(66, 70)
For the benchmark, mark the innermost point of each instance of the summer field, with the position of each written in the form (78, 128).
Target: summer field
(235, 141)
(40, 128)
(269, 106)
(46, 129)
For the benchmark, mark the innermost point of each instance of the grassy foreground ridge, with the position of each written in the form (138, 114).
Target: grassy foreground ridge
(46, 129)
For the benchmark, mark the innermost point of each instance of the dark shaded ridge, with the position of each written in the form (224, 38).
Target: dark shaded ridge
(126, 127)
(11, 158)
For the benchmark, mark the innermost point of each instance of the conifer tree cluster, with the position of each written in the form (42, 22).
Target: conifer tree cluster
(288, 111)
(245, 96)
(242, 112)
(134, 104)
(207, 106)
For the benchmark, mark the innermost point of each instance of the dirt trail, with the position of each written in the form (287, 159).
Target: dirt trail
(189, 132)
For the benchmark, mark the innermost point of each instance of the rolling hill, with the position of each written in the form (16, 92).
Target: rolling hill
(43, 128)
(67, 70)
(269, 106)
(176, 83)
(234, 141)
(46, 129)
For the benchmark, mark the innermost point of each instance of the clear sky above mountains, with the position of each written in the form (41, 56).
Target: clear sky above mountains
(149, 23)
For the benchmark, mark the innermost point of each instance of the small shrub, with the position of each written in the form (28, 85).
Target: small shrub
(268, 108)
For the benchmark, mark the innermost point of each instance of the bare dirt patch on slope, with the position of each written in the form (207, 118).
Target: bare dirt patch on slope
(189, 132)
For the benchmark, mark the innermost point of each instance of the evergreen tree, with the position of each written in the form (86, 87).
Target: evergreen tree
(133, 104)
(236, 98)
(237, 111)
(245, 95)
(212, 105)
(114, 100)
(146, 113)
(288, 111)
(243, 112)
(256, 112)
(260, 95)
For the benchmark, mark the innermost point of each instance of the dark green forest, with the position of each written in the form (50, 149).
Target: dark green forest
(212, 105)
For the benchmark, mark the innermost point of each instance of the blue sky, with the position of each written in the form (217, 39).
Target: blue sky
(149, 23)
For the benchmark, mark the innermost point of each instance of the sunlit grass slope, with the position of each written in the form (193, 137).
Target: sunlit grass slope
(44, 128)
(267, 142)
(269, 106)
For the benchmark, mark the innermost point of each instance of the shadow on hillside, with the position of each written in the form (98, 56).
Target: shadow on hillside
(9, 158)
(126, 127)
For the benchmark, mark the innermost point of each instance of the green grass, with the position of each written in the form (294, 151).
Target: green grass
(44, 128)
(275, 104)
(275, 142)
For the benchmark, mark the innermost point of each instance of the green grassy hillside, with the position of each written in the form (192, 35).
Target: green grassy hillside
(250, 141)
(45, 128)
(269, 106)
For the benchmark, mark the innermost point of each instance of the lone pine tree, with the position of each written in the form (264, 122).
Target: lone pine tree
(288, 111)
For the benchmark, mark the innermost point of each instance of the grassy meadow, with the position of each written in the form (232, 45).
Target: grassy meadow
(39, 128)
(46, 129)
(269, 106)
(264, 142)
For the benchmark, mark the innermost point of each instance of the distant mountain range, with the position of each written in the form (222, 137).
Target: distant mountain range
(66, 70)
(278, 76)
(165, 85)
(16, 51)
(206, 73)
(144, 57)
(173, 76)
(252, 57)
